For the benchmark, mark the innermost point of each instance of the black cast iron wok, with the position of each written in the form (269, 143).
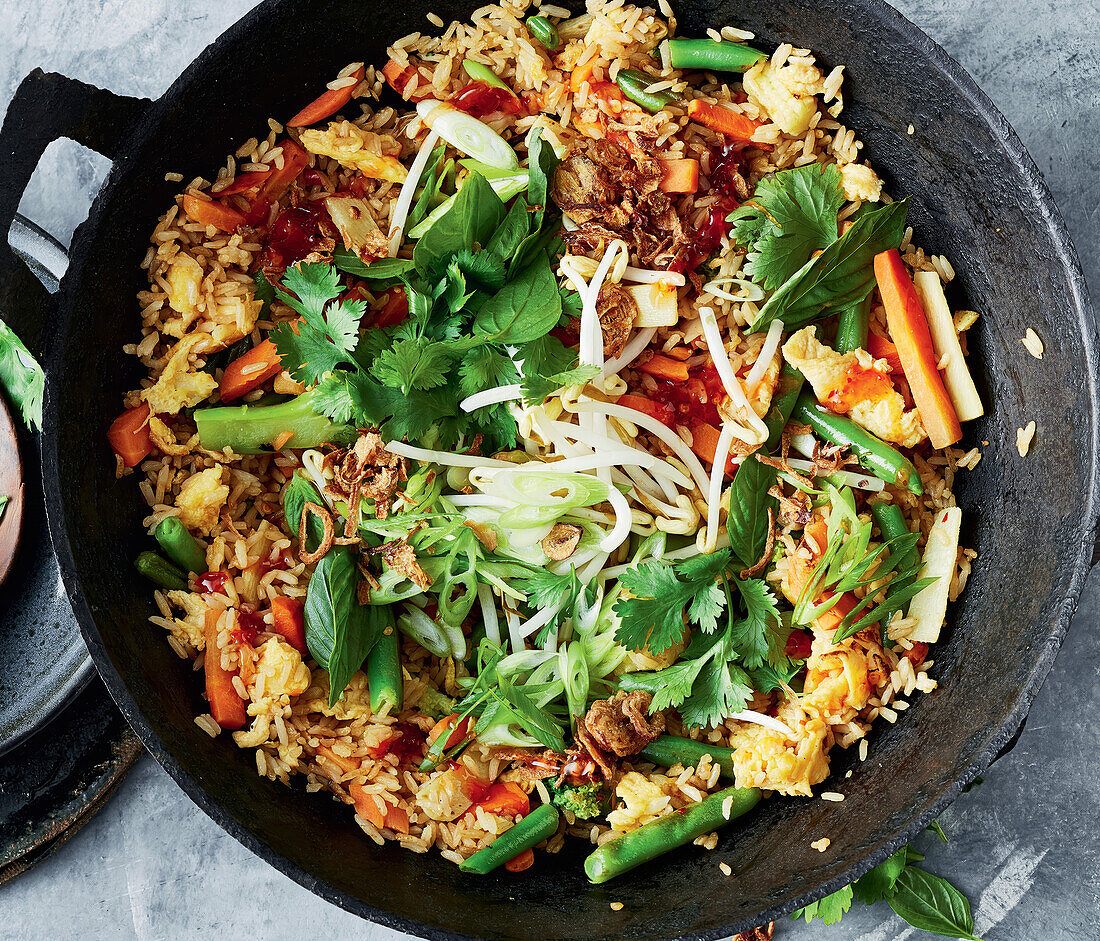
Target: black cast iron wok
(977, 197)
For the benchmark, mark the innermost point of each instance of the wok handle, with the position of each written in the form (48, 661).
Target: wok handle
(46, 107)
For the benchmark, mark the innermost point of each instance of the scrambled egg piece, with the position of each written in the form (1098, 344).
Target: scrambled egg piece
(201, 499)
(355, 703)
(282, 669)
(856, 385)
(775, 761)
(837, 683)
(190, 630)
(178, 386)
(443, 796)
(184, 294)
(787, 93)
(356, 149)
(860, 182)
(165, 440)
(642, 800)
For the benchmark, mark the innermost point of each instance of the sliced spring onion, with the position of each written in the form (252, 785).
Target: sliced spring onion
(574, 674)
(764, 359)
(489, 612)
(717, 477)
(467, 134)
(433, 636)
(508, 393)
(732, 385)
(748, 290)
(408, 192)
(506, 187)
(841, 477)
(480, 72)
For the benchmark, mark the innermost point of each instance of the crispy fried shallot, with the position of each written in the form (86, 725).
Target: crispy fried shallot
(765, 557)
(621, 725)
(304, 555)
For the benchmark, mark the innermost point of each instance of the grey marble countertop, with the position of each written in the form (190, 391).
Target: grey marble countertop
(1023, 846)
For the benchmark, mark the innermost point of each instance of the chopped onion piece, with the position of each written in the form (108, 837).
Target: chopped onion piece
(764, 359)
(408, 191)
(729, 378)
(508, 393)
(489, 612)
(446, 458)
(717, 476)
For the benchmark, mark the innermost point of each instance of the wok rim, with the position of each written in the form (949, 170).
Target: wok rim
(945, 70)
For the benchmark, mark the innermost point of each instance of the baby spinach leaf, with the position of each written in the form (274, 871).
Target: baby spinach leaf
(525, 309)
(747, 522)
(476, 214)
(841, 275)
(931, 903)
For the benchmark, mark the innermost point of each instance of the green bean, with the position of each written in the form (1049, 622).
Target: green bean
(851, 326)
(875, 455)
(539, 825)
(669, 750)
(384, 677)
(179, 545)
(651, 840)
(544, 32)
(892, 525)
(633, 84)
(711, 56)
(482, 73)
(783, 399)
(158, 569)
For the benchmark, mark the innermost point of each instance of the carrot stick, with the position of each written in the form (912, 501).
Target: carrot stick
(243, 183)
(277, 180)
(664, 368)
(908, 328)
(345, 764)
(506, 799)
(524, 860)
(328, 103)
(129, 435)
(704, 442)
(581, 74)
(445, 723)
(723, 120)
(226, 705)
(211, 212)
(396, 818)
(679, 176)
(289, 622)
(250, 371)
(881, 348)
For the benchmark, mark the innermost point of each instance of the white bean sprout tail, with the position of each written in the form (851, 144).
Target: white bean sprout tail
(767, 354)
(756, 431)
(717, 476)
(408, 190)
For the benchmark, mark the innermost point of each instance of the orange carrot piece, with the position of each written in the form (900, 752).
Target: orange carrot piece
(659, 410)
(583, 73)
(524, 860)
(679, 176)
(723, 120)
(129, 435)
(243, 183)
(800, 570)
(211, 212)
(397, 818)
(398, 76)
(226, 705)
(506, 799)
(680, 352)
(445, 723)
(664, 368)
(250, 371)
(908, 326)
(289, 622)
(327, 104)
(881, 348)
(704, 442)
(345, 764)
(277, 180)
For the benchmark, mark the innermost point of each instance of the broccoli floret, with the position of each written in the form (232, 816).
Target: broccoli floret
(584, 801)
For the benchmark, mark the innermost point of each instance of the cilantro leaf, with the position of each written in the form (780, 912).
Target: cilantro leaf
(485, 268)
(21, 377)
(485, 367)
(538, 388)
(879, 883)
(758, 637)
(653, 618)
(414, 364)
(829, 909)
(792, 214)
(546, 356)
(722, 689)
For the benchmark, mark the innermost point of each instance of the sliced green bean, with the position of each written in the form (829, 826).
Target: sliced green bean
(539, 825)
(711, 56)
(874, 455)
(633, 84)
(851, 326)
(158, 569)
(669, 750)
(480, 72)
(653, 839)
(544, 32)
(384, 679)
(179, 545)
(786, 394)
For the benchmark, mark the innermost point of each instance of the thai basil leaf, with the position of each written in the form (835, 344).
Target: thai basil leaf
(841, 275)
(542, 162)
(298, 493)
(931, 903)
(385, 269)
(340, 632)
(476, 214)
(747, 522)
(22, 377)
(507, 239)
(525, 309)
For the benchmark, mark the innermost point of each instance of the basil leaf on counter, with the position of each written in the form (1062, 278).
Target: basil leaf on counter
(841, 275)
(931, 903)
